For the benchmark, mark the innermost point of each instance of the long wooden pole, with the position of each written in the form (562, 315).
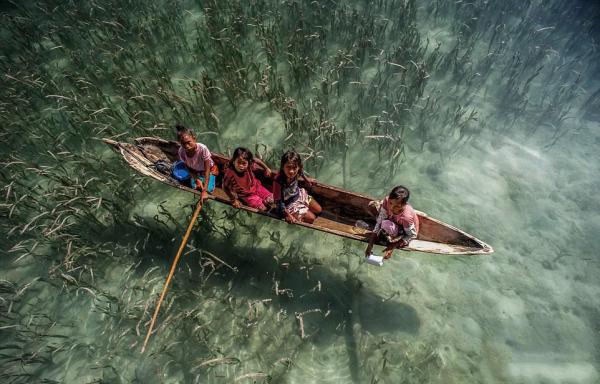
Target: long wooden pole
(172, 271)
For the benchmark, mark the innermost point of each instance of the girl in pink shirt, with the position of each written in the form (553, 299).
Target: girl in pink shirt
(197, 159)
(396, 220)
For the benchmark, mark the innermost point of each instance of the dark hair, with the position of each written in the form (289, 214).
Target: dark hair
(181, 130)
(291, 157)
(400, 192)
(243, 153)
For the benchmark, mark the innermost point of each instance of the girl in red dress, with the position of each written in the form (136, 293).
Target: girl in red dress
(241, 184)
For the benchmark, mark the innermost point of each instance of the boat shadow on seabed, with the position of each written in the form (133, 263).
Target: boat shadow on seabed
(317, 305)
(332, 307)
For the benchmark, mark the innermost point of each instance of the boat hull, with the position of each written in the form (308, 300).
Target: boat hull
(341, 209)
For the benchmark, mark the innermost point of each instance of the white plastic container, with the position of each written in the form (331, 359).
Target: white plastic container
(375, 260)
(362, 225)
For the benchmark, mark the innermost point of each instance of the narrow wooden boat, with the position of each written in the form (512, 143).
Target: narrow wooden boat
(341, 209)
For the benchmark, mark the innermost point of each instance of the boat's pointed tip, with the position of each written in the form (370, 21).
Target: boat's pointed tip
(110, 141)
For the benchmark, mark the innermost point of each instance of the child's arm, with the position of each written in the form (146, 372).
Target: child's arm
(206, 178)
(279, 204)
(380, 217)
(371, 242)
(263, 166)
(230, 193)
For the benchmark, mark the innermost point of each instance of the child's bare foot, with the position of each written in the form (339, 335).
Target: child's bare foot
(262, 208)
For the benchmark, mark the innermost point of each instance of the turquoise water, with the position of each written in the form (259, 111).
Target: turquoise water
(487, 111)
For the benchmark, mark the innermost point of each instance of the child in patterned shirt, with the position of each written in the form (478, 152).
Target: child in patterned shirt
(396, 220)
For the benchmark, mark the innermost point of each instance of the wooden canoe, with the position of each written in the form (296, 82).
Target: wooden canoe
(341, 209)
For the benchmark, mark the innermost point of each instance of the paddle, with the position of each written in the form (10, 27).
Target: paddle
(172, 271)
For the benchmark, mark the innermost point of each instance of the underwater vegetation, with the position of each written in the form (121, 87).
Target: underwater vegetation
(357, 87)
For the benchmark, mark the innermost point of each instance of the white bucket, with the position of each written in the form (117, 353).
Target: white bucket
(375, 260)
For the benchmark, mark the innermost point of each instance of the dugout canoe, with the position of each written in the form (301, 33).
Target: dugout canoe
(341, 209)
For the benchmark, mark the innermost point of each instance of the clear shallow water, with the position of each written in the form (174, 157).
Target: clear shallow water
(484, 140)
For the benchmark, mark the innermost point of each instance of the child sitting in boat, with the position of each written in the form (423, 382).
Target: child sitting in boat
(291, 200)
(396, 220)
(240, 182)
(197, 159)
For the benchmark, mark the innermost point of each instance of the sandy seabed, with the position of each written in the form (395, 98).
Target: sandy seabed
(486, 111)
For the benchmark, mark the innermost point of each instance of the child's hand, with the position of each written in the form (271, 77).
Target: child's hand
(268, 172)
(236, 203)
(401, 243)
(290, 219)
(387, 253)
(199, 185)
